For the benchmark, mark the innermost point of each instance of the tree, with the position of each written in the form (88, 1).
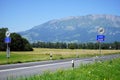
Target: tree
(17, 42)
(2, 37)
(72, 46)
(117, 45)
(26, 45)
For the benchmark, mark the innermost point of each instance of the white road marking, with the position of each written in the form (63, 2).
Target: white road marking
(40, 66)
(34, 66)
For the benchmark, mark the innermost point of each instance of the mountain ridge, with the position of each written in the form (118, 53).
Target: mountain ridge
(74, 28)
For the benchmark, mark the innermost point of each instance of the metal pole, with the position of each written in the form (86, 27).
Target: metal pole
(7, 51)
(67, 45)
(7, 54)
(100, 51)
(50, 56)
(100, 48)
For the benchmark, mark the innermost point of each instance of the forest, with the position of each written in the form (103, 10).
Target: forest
(62, 45)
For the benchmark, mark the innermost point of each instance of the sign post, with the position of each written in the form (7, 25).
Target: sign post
(50, 56)
(100, 38)
(7, 41)
(72, 64)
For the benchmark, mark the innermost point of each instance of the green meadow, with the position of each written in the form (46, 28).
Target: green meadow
(41, 54)
(108, 70)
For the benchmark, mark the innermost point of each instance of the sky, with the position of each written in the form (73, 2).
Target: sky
(21, 15)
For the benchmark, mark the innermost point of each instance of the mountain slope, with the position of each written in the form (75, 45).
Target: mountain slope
(76, 28)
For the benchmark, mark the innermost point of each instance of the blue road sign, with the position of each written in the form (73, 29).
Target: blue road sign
(100, 37)
(7, 40)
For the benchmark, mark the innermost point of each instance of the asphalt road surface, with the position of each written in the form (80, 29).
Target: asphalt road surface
(14, 71)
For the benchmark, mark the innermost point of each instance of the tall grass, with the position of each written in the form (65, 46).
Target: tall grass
(40, 54)
(109, 70)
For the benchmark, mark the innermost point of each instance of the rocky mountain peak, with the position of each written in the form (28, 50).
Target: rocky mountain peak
(75, 28)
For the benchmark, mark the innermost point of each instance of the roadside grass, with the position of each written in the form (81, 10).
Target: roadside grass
(108, 70)
(41, 54)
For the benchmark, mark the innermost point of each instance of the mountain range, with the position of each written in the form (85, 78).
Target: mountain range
(75, 29)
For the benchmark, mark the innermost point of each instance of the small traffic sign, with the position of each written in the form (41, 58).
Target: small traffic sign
(7, 40)
(7, 34)
(101, 30)
(100, 37)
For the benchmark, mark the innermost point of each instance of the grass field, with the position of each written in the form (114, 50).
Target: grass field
(40, 54)
(109, 70)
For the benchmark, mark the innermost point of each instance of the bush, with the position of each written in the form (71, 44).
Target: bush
(18, 43)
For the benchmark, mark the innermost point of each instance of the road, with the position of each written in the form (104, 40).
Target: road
(14, 71)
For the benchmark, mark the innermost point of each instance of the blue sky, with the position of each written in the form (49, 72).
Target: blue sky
(21, 15)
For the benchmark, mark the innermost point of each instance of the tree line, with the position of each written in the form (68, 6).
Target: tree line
(17, 43)
(63, 45)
